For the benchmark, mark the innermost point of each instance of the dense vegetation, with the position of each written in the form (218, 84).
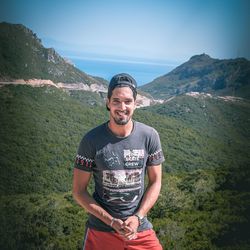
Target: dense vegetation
(214, 134)
(204, 202)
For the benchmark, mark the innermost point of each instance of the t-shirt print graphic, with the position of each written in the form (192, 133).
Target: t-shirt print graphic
(133, 158)
(112, 160)
(121, 186)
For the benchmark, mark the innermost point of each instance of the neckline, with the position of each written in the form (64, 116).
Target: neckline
(117, 136)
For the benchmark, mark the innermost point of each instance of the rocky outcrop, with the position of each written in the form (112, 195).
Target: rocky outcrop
(142, 101)
(67, 86)
(207, 95)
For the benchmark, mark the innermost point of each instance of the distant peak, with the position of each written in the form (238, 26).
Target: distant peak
(14, 25)
(200, 57)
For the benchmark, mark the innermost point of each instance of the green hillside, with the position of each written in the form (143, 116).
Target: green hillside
(40, 131)
(218, 128)
(204, 202)
(22, 56)
(204, 74)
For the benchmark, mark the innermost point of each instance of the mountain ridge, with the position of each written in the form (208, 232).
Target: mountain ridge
(24, 60)
(201, 73)
(22, 56)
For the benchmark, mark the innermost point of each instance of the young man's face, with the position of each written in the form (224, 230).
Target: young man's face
(121, 105)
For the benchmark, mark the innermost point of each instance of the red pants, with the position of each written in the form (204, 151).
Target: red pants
(97, 240)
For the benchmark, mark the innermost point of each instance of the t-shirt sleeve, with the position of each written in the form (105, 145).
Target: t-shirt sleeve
(85, 155)
(155, 154)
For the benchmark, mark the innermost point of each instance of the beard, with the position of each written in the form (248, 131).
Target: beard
(121, 120)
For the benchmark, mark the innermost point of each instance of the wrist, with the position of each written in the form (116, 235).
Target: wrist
(140, 218)
(112, 221)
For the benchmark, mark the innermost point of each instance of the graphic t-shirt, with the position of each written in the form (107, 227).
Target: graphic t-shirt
(118, 165)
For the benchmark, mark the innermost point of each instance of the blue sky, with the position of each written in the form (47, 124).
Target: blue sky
(136, 31)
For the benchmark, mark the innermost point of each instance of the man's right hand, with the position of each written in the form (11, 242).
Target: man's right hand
(124, 229)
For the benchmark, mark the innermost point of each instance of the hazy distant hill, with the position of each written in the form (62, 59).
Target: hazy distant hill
(22, 56)
(204, 74)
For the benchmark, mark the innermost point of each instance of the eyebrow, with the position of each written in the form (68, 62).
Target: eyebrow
(118, 99)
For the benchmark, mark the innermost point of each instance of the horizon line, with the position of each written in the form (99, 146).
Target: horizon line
(108, 59)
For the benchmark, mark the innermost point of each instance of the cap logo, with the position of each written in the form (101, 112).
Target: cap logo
(125, 79)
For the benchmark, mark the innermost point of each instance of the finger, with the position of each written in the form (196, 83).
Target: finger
(132, 237)
(127, 229)
(129, 234)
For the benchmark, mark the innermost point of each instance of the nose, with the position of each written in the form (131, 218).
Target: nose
(122, 106)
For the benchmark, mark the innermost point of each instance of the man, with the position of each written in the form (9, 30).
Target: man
(118, 153)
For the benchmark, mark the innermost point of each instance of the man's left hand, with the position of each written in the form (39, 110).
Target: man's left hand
(130, 227)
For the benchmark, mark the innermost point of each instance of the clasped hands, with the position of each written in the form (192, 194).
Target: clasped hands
(128, 228)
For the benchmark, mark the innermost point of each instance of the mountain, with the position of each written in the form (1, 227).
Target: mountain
(24, 60)
(204, 74)
(22, 56)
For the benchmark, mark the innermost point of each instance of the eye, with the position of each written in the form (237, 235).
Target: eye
(128, 102)
(115, 101)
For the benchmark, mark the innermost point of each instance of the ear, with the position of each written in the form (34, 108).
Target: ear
(107, 102)
(137, 103)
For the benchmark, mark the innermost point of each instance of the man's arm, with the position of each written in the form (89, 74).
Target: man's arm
(81, 195)
(153, 189)
(150, 196)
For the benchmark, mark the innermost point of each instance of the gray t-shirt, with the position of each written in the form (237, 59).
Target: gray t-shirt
(118, 165)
